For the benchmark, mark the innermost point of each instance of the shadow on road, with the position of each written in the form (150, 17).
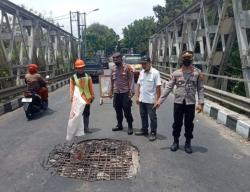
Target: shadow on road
(196, 149)
(94, 130)
(43, 113)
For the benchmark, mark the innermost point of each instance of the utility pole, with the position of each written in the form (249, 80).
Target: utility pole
(80, 33)
(78, 25)
(85, 34)
(71, 30)
(78, 30)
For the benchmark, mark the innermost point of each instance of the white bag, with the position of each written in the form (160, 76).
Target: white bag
(75, 125)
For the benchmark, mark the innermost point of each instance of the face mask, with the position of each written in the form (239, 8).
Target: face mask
(117, 64)
(187, 62)
(81, 71)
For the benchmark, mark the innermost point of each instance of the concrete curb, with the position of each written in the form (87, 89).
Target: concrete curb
(16, 103)
(234, 121)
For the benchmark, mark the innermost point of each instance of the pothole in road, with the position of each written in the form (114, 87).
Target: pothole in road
(94, 160)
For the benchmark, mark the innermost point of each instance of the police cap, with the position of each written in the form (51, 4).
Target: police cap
(145, 59)
(187, 55)
(117, 54)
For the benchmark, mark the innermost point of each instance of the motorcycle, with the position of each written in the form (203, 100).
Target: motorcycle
(33, 103)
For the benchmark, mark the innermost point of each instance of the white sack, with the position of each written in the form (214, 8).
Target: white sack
(75, 125)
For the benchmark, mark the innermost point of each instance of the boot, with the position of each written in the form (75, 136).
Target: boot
(152, 136)
(118, 127)
(141, 132)
(188, 148)
(175, 146)
(86, 124)
(130, 129)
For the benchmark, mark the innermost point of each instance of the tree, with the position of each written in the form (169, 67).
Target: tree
(100, 37)
(170, 11)
(136, 35)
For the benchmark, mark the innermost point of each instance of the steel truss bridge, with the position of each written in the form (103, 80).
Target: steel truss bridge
(212, 29)
(27, 38)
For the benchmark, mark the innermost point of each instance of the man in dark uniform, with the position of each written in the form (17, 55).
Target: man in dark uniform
(188, 81)
(122, 89)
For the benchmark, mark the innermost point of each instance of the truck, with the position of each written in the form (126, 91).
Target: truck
(94, 68)
(134, 61)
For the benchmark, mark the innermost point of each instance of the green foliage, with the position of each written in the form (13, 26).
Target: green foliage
(136, 35)
(100, 37)
(234, 69)
(170, 11)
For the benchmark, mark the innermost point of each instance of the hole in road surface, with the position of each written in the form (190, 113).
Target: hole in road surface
(94, 160)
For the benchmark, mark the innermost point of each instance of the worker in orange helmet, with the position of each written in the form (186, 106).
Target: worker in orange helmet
(85, 85)
(36, 83)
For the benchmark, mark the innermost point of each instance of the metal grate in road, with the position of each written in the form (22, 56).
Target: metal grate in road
(94, 160)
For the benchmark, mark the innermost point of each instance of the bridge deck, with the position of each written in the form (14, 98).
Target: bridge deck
(220, 161)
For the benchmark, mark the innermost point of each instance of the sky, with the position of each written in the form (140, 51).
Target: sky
(116, 14)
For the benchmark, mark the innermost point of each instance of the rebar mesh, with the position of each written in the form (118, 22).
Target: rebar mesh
(93, 160)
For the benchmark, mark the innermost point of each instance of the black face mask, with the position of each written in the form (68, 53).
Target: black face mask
(187, 62)
(118, 64)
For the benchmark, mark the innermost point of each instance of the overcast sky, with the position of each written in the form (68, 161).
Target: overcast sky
(115, 14)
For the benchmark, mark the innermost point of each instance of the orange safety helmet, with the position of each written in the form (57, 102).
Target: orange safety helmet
(32, 68)
(79, 63)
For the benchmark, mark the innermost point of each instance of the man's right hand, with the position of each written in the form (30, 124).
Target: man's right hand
(110, 94)
(137, 100)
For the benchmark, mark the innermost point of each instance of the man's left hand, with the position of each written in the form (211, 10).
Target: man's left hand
(131, 94)
(157, 104)
(199, 108)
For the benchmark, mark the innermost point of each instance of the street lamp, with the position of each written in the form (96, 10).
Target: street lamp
(85, 32)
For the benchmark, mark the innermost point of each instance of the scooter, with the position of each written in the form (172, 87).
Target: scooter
(32, 103)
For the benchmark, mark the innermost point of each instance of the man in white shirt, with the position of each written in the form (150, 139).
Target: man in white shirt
(148, 92)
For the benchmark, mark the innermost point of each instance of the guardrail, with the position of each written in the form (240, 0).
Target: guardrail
(224, 98)
(12, 92)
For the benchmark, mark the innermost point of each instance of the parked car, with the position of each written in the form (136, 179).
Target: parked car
(134, 61)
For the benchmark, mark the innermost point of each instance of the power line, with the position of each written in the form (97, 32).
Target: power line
(61, 16)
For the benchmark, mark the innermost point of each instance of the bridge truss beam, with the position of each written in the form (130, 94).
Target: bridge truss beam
(26, 38)
(208, 28)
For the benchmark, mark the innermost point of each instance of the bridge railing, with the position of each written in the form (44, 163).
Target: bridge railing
(12, 92)
(224, 98)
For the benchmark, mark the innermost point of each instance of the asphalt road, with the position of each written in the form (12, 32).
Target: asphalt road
(220, 162)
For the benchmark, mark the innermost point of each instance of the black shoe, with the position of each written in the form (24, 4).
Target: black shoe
(117, 128)
(188, 148)
(152, 136)
(130, 131)
(141, 132)
(174, 146)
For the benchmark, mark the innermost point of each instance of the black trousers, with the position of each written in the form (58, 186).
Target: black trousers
(86, 111)
(122, 104)
(186, 112)
(86, 114)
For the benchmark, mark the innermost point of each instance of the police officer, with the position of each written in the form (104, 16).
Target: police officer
(188, 81)
(122, 89)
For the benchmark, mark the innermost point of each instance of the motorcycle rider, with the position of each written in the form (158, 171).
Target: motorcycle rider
(36, 84)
